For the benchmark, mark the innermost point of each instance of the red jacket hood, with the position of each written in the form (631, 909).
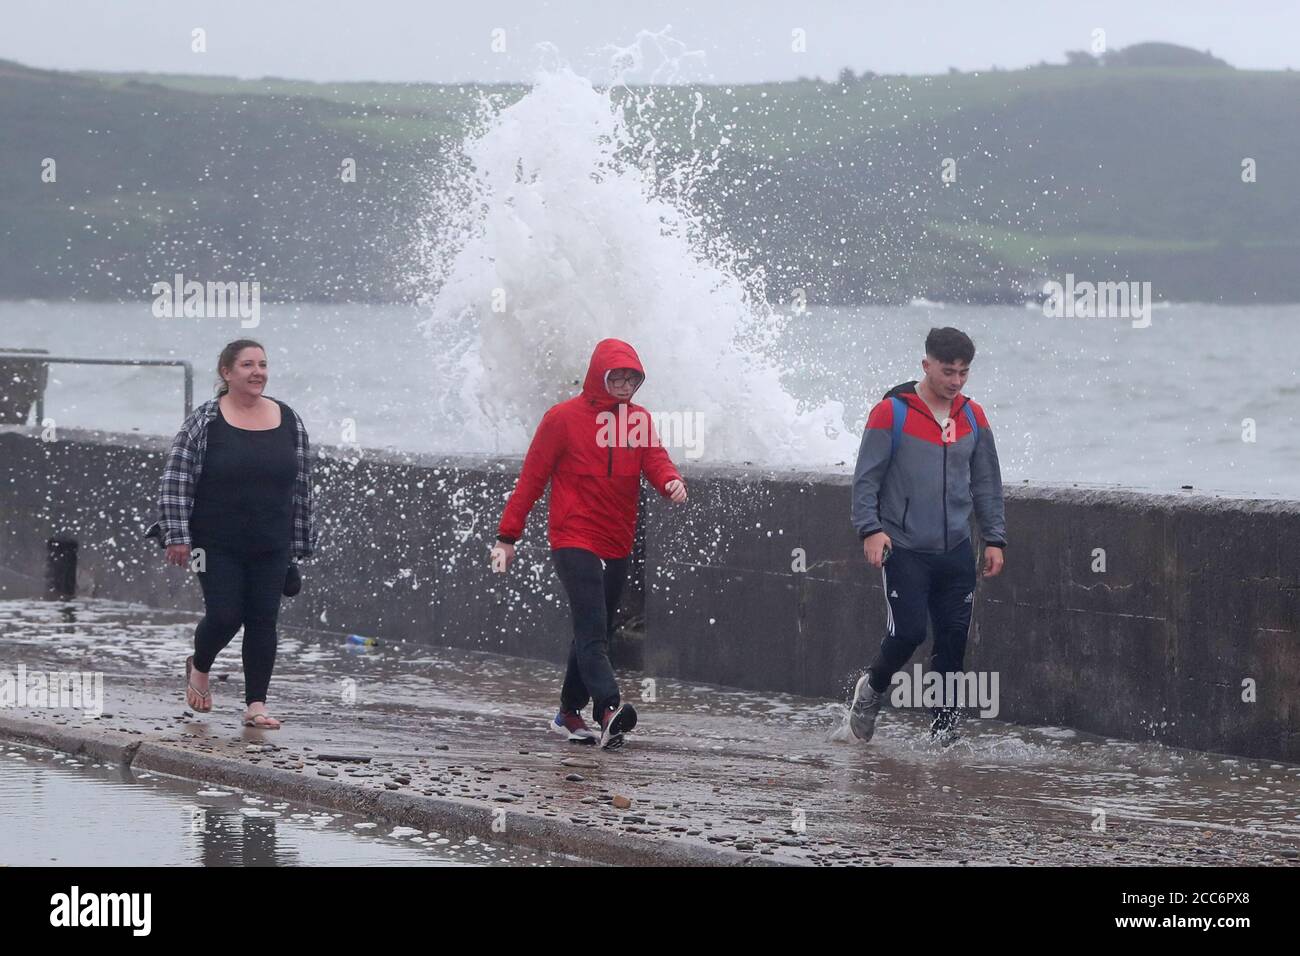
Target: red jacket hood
(608, 354)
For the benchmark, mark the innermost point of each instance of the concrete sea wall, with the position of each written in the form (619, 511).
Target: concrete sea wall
(1189, 636)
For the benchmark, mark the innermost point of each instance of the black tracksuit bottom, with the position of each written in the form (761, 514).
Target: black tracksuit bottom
(594, 588)
(940, 587)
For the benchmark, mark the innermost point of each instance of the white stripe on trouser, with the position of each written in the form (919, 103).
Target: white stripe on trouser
(889, 608)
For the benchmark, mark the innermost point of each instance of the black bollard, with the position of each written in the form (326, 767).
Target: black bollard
(61, 568)
(22, 382)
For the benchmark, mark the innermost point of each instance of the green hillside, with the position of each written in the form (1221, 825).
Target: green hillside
(1127, 168)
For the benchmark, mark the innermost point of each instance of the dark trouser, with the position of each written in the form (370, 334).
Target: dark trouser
(593, 595)
(241, 588)
(941, 586)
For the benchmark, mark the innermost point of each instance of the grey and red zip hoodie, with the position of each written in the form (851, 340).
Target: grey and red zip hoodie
(918, 487)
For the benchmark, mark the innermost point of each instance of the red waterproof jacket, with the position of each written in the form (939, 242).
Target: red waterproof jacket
(593, 463)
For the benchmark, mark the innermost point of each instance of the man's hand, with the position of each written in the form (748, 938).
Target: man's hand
(178, 554)
(874, 545)
(502, 554)
(993, 561)
(676, 491)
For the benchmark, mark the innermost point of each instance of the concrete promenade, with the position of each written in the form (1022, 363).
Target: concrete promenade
(455, 740)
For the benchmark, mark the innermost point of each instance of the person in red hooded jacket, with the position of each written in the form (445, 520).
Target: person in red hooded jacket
(592, 449)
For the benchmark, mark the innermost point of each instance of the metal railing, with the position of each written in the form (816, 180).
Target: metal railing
(40, 358)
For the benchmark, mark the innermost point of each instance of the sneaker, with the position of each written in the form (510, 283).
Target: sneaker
(614, 724)
(865, 707)
(570, 725)
(943, 728)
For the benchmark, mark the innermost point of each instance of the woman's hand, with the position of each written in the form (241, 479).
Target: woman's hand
(502, 555)
(178, 554)
(676, 491)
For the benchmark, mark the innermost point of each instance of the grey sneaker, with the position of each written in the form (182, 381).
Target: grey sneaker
(865, 707)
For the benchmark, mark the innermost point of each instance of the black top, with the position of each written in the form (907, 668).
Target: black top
(244, 500)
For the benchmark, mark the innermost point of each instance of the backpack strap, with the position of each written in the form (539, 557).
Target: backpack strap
(970, 417)
(900, 415)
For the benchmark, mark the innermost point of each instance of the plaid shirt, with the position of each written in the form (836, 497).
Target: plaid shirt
(185, 465)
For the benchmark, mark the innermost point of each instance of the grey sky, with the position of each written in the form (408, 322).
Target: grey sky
(741, 40)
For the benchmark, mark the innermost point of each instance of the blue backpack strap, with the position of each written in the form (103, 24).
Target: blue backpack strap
(900, 415)
(970, 417)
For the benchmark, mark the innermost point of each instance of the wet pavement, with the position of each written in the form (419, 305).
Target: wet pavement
(145, 819)
(764, 777)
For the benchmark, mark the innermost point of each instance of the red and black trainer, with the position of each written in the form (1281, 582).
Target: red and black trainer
(614, 724)
(570, 725)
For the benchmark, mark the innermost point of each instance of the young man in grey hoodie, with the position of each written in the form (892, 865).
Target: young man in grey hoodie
(926, 461)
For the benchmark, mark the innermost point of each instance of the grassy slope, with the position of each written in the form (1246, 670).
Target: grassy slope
(1121, 170)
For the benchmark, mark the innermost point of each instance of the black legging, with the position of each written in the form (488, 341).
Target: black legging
(241, 588)
(593, 594)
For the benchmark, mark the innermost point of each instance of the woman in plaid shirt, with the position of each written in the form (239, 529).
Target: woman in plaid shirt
(235, 501)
